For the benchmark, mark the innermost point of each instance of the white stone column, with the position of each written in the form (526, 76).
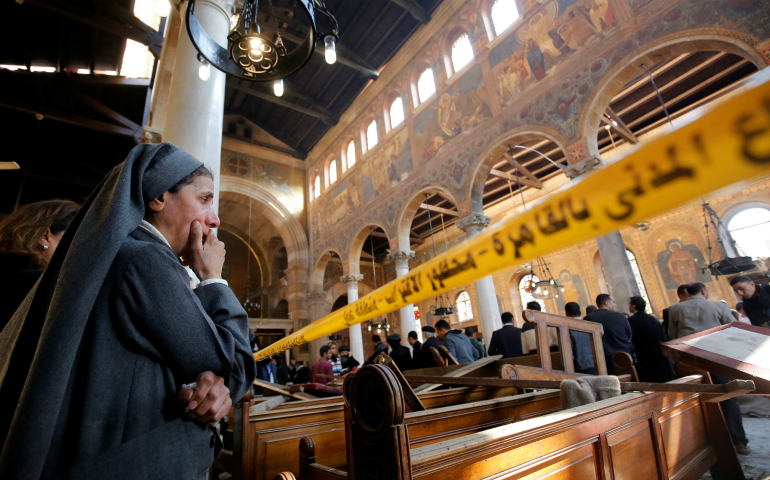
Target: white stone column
(354, 331)
(406, 314)
(195, 107)
(617, 269)
(485, 287)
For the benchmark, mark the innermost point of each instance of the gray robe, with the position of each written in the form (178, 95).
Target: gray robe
(147, 334)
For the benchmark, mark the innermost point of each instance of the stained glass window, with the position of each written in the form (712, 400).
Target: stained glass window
(464, 308)
(417, 323)
(396, 112)
(751, 231)
(462, 52)
(526, 286)
(426, 86)
(503, 13)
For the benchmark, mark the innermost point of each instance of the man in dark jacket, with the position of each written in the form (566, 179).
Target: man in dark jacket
(426, 356)
(416, 345)
(647, 335)
(529, 325)
(379, 347)
(756, 299)
(582, 349)
(507, 340)
(135, 362)
(399, 353)
(617, 331)
(348, 362)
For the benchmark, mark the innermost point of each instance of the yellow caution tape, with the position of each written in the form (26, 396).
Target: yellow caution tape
(727, 145)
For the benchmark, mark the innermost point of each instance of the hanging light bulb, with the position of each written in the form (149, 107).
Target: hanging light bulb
(278, 88)
(204, 71)
(255, 43)
(552, 282)
(331, 49)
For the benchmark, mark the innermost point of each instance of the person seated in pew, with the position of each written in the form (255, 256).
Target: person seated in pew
(647, 335)
(426, 356)
(322, 366)
(582, 353)
(399, 353)
(113, 367)
(617, 331)
(456, 342)
(507, 340)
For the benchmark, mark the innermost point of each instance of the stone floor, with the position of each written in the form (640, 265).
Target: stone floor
(756, 466)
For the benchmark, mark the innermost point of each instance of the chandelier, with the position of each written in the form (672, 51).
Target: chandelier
(259, 55)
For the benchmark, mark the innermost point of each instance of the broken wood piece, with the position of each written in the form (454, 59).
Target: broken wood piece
(463, 370)
(267, 404)
(409, 396)
(283, 390)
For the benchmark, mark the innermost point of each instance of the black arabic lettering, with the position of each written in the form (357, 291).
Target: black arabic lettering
(525, 236)
(553, 224)
(749, 136)
(581, 215)
(671, 175)
(624, 199)
(697, 141)
(499, 246)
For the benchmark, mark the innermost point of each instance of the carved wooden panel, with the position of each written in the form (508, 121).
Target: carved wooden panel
(629, 445)
(683, 429)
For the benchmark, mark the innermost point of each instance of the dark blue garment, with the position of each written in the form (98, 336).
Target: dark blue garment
(758, 307)
(617, 333)
(426, 356)
(582, 353)
(528, 326)
(652, 365)
(506, 342)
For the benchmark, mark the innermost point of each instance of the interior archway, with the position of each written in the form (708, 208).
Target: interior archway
(415, 226)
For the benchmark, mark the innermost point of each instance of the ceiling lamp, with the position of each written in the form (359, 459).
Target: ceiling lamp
(259, 55)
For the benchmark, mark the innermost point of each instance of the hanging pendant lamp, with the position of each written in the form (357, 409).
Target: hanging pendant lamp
(257, 55)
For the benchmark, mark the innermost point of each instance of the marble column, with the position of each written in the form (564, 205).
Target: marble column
(485, 287)
(319, 306)
(406, 314)
(354, 331)
(195, 111)
(617, 270)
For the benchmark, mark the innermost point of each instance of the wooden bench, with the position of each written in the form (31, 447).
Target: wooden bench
(636, 435)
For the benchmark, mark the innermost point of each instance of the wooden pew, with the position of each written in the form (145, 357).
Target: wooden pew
(273, 436)
(636, 435)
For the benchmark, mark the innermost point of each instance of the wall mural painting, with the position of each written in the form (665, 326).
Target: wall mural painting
(265, 174)
(344, 200)
(550, 36)
(682, 263)
(389, 165)
(457, 111)
(574, 290)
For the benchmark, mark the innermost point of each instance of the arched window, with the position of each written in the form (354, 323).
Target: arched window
(417, 322)
(526, 285)
(462, 52)
(350, 153)
(396, 112)
(371, 135)
(503, 13)
(426, 86)
(750, 229)
(316, 187)
(639, 280)
(332, 172)
(464, 307)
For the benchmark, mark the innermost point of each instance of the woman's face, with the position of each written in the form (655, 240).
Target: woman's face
(51, 241)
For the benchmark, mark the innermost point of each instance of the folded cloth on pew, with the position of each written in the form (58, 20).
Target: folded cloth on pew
(588, 389)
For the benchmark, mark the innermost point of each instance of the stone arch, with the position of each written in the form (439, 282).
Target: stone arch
(700, 40)
(317, 275)
(283, 220)
(404, 223)
(255, 248)
(357, 244)
(496, 148)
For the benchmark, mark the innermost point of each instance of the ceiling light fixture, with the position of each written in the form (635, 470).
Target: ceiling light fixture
(259, 55)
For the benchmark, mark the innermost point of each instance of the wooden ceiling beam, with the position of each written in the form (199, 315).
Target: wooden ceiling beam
(145, 35)
(439, 209)
(73, 120)
(414, 9)
(512, 178)
(284, 103)
(621, 127)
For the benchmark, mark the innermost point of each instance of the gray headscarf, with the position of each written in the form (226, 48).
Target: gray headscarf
(39, 345)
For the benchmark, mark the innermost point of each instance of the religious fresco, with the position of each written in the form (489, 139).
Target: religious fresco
(344, 199)
(460, 109)
(557, 31)
(388, 165)
(265, 174)
(573, 290)
(680, 264)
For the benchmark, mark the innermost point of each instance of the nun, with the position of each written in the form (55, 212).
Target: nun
(113, 366)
